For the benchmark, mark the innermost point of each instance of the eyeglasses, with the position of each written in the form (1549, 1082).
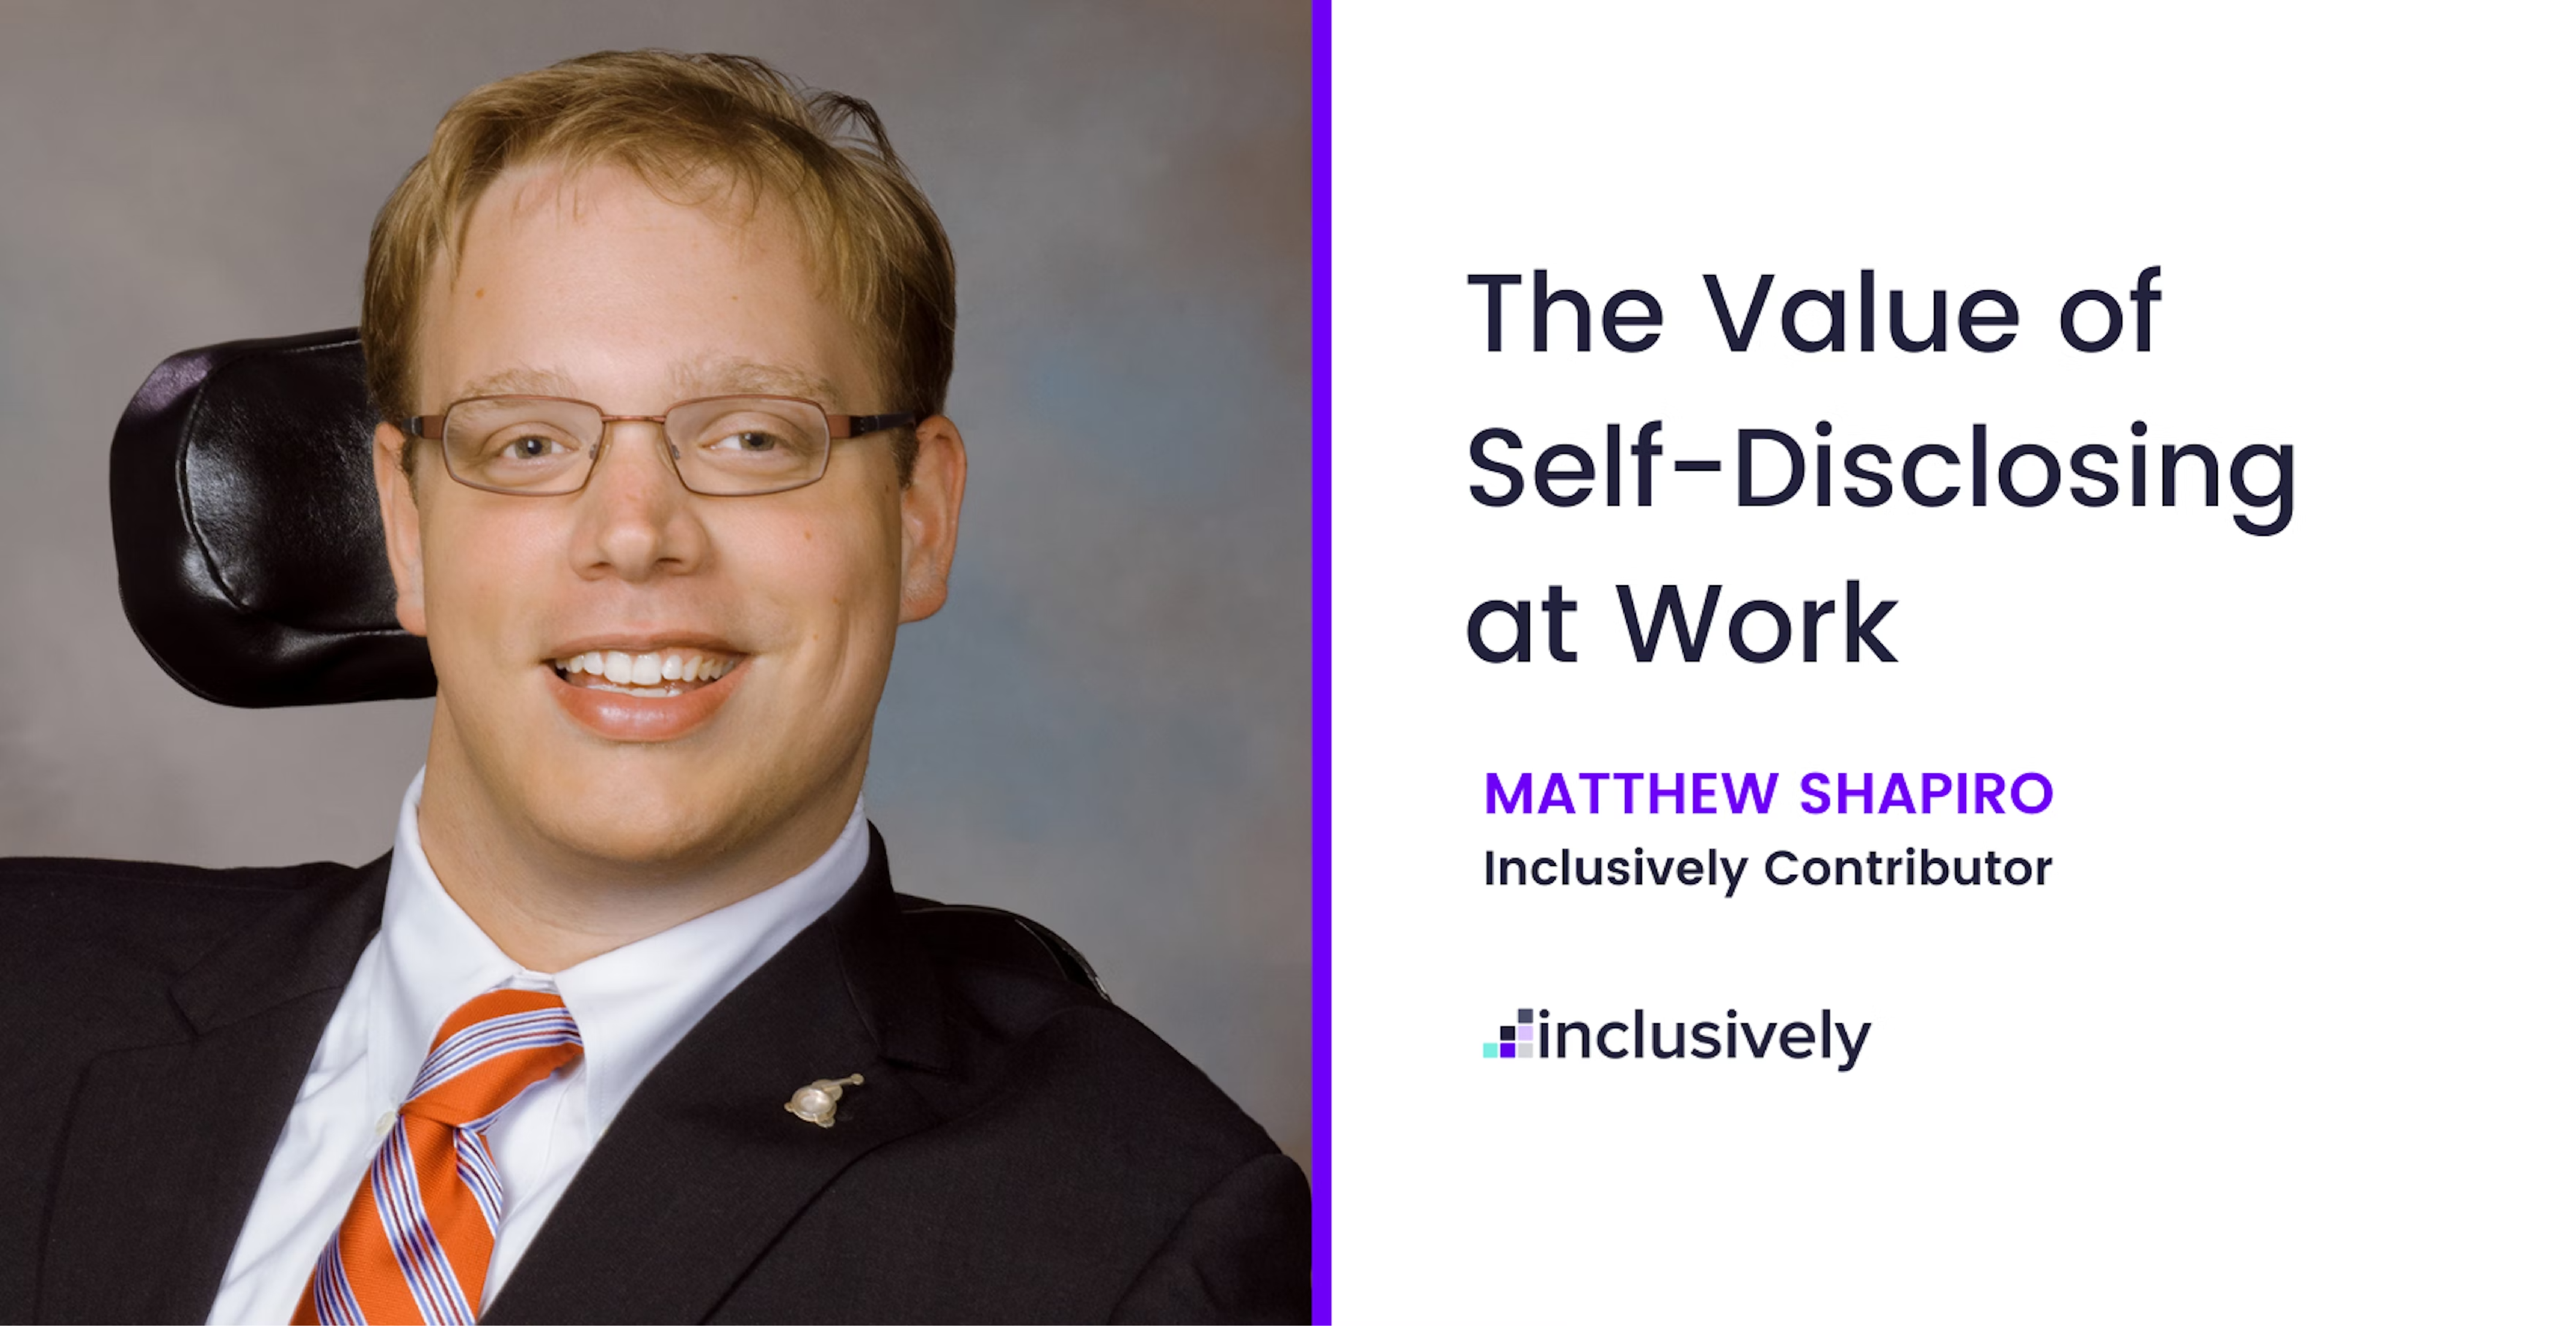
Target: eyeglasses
(722, 446)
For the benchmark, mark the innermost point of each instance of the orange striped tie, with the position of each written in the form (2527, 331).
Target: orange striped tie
(418, 1237)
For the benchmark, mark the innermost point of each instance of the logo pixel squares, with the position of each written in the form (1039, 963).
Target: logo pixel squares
(1519, 1040)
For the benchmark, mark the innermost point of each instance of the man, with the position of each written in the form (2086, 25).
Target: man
(630, 1024)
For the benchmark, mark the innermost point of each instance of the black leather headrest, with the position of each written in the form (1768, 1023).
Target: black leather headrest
(248, 550)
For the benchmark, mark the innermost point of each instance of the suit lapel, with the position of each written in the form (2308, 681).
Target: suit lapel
(167, 1143)
(705, 1166)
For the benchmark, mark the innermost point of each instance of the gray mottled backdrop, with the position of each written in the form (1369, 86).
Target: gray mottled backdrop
(1107, 726)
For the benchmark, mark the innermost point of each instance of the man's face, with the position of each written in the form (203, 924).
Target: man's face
(772, 618)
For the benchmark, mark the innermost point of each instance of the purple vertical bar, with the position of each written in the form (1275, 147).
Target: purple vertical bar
(1320, 714)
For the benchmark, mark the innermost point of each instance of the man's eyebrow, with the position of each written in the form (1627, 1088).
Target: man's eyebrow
(710, 377)
(725, 377)
(518, 382)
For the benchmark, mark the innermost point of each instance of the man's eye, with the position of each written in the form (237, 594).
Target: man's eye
(749, 440)
(531, 447)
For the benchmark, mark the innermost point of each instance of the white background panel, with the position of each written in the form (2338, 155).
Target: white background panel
(2283, 1035)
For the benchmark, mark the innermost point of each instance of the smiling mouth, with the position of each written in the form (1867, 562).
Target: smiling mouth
(653, 673)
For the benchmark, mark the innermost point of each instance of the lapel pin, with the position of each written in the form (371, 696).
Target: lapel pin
(814, 1104)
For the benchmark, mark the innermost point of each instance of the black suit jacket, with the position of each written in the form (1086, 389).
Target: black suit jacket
(1020, 1151)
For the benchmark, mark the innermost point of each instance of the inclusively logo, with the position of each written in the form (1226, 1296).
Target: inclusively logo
(1532, 1036)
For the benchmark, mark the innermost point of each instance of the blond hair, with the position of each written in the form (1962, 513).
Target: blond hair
(684, 122)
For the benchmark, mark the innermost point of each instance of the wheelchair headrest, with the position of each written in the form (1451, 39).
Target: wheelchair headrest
(248, 549)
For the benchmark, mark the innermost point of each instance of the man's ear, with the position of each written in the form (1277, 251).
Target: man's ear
(399, 505)
(930, 504)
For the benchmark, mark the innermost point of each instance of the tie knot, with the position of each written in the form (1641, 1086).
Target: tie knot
(491, 1048)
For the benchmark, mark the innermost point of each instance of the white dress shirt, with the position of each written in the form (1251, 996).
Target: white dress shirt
(632, 1004)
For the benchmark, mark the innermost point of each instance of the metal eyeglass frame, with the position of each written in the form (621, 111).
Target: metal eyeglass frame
(837, 428)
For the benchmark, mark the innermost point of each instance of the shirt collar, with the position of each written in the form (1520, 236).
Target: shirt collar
(632, 1003)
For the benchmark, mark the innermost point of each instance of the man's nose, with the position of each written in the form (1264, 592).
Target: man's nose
(637, 519)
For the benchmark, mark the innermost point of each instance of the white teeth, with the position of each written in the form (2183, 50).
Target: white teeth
(652, 670)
